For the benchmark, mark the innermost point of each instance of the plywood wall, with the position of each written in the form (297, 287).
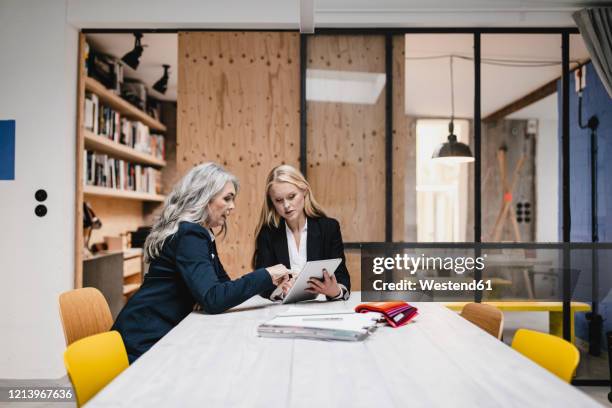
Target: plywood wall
(170, 175)
(238, 105)
(353, 264)
(404, 152)
(118, 216)
(346, 142)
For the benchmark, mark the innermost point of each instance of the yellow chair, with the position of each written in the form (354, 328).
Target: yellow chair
(93, 362)
(558, 356)
(84, 312)
(487, 317)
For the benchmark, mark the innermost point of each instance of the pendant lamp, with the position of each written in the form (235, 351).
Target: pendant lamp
(452, 151)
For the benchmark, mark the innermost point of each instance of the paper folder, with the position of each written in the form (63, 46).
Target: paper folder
(396, 313)
(340, 326)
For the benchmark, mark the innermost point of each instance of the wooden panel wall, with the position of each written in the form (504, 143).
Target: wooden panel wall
(170, 175)
(346, 142)
(353, 264)
(238, 105)
(404, 152)
(117, 216)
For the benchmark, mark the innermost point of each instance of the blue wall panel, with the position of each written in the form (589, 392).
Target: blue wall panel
(7, 150)
(595, 102)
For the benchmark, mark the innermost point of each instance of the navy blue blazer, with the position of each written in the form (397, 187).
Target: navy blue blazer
(187, 272)
(323, 241)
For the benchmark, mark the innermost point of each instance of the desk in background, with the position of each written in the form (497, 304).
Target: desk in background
(439, 360)
(554, 309)
(117, 274)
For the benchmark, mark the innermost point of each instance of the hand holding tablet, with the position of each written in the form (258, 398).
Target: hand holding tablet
(327, 286)
(312, 273)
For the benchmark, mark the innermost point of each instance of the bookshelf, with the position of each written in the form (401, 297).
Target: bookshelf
(122, 105)
(120, 209)
(104, 145)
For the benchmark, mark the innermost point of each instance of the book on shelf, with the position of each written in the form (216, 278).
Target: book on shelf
(135, 92)
(104, 121)
(106, 69)
(92, 104)
(104, 171)
(158, 147)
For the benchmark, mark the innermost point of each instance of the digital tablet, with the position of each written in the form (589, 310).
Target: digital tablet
(312, 269)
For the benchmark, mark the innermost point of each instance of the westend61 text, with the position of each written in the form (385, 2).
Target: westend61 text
(430, 284)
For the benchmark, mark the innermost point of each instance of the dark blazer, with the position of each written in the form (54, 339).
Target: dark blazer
(323, 241)
(187, 272)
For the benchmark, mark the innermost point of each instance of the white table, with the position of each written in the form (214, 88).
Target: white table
(438, 360)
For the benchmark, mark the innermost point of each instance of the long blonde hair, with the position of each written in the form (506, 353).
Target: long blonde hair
(188, 202)
(285, 174)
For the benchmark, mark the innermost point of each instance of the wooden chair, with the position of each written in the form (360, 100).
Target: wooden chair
(92, 362)
(84, 312)
(488, 318)
(558, 356)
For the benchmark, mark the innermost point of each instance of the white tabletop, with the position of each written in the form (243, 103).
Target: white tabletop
(437, 360)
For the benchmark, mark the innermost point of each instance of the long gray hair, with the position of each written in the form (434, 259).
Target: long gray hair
(188, 201)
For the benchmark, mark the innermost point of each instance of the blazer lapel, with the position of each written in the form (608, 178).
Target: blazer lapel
(215, 256)
(279, 239)
(313, 240)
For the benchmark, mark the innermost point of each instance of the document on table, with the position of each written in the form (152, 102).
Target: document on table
(320, 324)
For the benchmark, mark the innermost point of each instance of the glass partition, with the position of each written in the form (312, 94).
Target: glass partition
(345, 96)
(521, 194)
(433, 88)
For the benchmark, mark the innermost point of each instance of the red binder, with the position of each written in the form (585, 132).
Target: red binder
(396, 313)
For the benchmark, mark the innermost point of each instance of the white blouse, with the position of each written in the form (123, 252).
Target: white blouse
(298, 258)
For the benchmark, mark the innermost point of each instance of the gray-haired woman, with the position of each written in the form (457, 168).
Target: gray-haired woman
(185, 269)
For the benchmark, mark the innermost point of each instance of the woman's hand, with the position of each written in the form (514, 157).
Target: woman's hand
(328, 286)
(278, 273)
(286, 286)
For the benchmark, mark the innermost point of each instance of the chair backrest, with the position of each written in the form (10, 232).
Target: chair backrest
(558, 356)
(84, 312)
(487, 317)
(93, 362)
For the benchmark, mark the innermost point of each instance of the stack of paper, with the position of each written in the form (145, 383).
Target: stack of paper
(323, 325)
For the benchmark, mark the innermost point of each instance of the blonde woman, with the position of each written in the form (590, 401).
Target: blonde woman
(294, 229)
(185, 269)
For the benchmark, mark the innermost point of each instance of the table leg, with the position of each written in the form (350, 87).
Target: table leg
(555, 324)
(528, 284)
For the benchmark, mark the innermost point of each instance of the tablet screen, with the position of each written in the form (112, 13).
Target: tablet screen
(312, 269)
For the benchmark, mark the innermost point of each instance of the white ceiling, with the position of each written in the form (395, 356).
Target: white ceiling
(275, 14)
(428, 80)
(159, 49)
(544, 109)
(499, 5)
(448, 13)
